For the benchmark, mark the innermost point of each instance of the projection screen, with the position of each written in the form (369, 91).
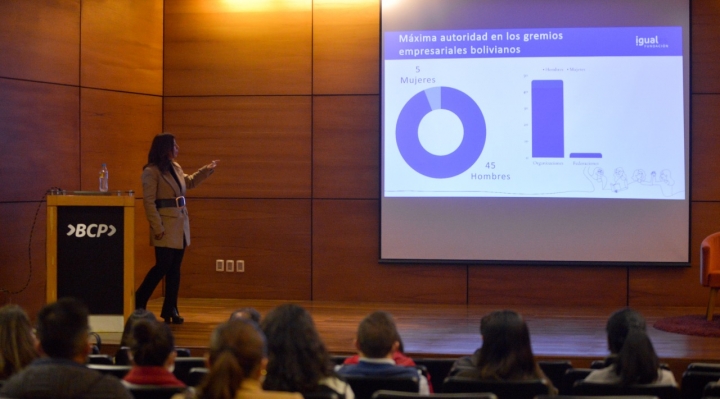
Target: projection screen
(535, 131)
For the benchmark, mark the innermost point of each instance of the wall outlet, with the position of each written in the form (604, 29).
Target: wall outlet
(240, 266)
(219, 265)
(229, 265)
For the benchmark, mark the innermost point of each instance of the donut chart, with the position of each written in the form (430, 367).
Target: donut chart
(408, 141)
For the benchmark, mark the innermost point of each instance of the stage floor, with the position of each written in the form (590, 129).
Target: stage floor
(573, 333)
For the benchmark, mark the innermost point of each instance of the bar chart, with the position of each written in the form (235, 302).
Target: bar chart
(548, 121)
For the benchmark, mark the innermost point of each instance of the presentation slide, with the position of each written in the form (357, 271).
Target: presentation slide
(535, 113)
(561, 124)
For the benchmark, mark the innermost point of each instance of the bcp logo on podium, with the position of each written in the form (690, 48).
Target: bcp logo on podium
(93, 230)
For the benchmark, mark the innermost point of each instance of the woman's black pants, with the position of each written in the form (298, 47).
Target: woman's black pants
(167, 264)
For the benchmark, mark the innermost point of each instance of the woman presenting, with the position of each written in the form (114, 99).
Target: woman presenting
(164, 185)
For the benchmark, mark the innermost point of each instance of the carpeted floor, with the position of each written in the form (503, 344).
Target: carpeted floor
(690, 325)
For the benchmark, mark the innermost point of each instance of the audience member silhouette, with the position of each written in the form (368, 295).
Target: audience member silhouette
(376, 341)
(298, 360)
(17, 341)
(62, 329)
(505, 354)
(633, 359)
(238, 361)
(246, 313)
(153, 354)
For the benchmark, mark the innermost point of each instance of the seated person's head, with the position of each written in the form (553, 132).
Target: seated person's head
(618, 326)
(506, 353)
(152, 344)
(17, 341)
(62, 329)
(297, 357)
(377, 336)
(136, 315)
(237, 352)
(246, 313)
(637, 362)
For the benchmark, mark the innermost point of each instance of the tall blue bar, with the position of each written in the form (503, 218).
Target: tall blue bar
(548, 130)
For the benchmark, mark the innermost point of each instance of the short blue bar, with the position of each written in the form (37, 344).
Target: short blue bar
(585, 155)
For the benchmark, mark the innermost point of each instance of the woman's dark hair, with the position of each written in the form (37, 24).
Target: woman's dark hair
(620, 323)
(637, 362)
(152, 343)
(237, 348)
(135, 316)
(506, 353)
(160, 150)
(17, 344)
(298, 359)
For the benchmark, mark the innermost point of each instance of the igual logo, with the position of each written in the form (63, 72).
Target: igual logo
(643, 41)
(92, 230)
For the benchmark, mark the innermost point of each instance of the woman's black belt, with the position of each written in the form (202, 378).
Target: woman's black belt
(178, 202)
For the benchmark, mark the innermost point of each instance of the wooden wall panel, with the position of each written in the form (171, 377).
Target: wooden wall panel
(40, 40)
(215, 47)
(705, 46)
(678, 287)
(346, 46)
(547, 285)
(17, 221)
(271, 236)
(122, 45)
(346, 268)
(705, 184)
(39, 141)
(117, 129)
(345, 147)
(263, 143)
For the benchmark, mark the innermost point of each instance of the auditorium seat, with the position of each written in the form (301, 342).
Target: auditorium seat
(595, 397)
(582, 388)
(117, 371)
(365, 387)
(154, 391)
(182, 352)
(555, 370)
(122, 356)
(195, 376)
(409, 395)
(100, 359)
(183, 365)
(712, 389)
(711, 367)
(322, 395)
(527, 389)
(694, 382)
(570, 378)
(710, 269)
(438, 368)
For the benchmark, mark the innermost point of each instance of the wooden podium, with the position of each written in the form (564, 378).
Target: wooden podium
(91, 253)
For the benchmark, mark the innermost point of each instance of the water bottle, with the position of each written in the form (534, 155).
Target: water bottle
(104, 178)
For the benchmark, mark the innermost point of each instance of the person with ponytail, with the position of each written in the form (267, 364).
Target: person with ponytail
(633, 359)
(237, 364)
(153, 355)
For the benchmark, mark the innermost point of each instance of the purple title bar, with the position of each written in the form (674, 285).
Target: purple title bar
(563, 42)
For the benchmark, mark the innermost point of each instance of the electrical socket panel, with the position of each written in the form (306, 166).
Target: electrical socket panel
(219, 265)
(229, 265)
(240, 266)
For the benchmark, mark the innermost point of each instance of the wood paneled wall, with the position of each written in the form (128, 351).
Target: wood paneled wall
(80, 84)
(286, 95)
